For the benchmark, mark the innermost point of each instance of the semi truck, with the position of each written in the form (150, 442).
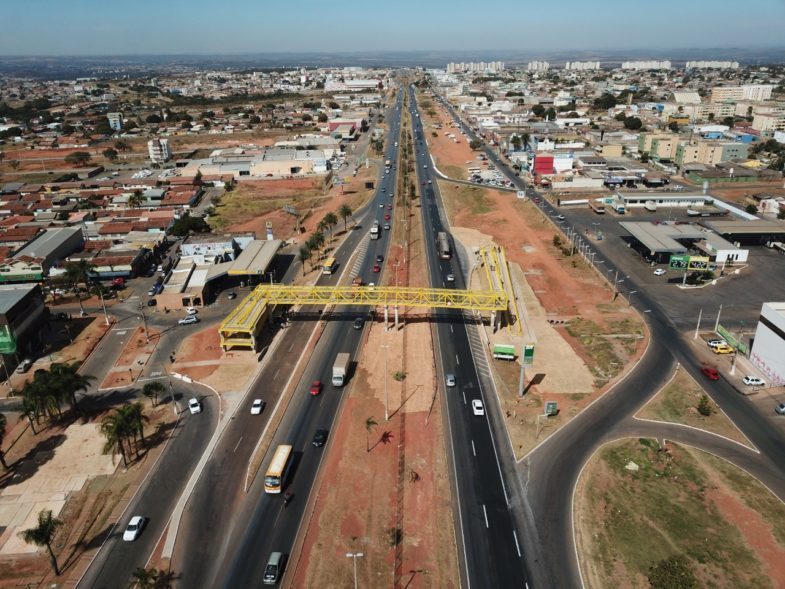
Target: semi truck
(340, 369)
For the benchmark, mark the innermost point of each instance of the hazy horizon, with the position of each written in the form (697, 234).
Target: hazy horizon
(244, 27)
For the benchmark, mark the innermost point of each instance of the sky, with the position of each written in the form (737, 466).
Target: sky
(138, 27)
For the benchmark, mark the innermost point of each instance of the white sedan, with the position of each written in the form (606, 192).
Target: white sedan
(753, 381)
(659, 272)
(194, 406)
(477, 407)
(191, 310)
(134, 528)
(257, 406)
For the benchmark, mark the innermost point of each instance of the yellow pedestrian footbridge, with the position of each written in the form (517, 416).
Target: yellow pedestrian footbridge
(242, 326)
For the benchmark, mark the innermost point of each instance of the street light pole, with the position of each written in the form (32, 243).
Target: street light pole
(103, 305)
(144, 322)
(354, 556)
(386, 398)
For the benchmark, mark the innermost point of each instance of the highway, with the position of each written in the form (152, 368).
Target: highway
(489, 544)
(549, 474)
(227, 534)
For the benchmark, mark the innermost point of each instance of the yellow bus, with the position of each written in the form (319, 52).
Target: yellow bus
(276, 472)
(329, 266)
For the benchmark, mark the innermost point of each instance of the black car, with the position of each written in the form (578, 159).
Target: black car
(359, 322)
(60, 316)
(380, 258)
(151, 302)
(319, 438)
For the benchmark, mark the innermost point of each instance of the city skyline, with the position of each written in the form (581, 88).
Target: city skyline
(245, 27)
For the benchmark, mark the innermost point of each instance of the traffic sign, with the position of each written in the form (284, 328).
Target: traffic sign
(551, 408)
(521, 194)
(528, 354)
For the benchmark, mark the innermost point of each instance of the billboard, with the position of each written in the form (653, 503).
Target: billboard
(528, 354)
(687, 262)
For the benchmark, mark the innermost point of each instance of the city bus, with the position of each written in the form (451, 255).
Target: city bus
(276, 472)
(443, 245)
(329, 266)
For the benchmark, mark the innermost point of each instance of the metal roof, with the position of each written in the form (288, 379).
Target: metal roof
(654, 237)
(755, 227)
(255, 258)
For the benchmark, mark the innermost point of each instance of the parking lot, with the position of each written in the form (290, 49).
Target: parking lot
(740, 295)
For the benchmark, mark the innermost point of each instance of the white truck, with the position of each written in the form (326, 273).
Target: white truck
(340, 369)
(375, 233)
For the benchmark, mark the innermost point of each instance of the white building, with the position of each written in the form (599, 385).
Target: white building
(768, 348)
(646, 65)
(115, 120)
(746, 92)
(717, 65)
(538, 66)
(159, 150)
(478, 67)
(582, 65)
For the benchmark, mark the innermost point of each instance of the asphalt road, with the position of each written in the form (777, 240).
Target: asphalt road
(548, 475)
(489, 543)
(226, 534)
(117, 559)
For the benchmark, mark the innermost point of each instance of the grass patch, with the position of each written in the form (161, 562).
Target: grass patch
(678, 403)
(246, 202)
(461, 197)
(635, 520)
(605, 364)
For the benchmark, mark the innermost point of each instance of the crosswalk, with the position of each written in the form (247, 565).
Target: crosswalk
(478, 349)
(359, 259)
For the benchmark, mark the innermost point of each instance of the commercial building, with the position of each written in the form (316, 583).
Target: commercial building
(477, 67)
(660, 146)
(538, 66)
(710, 152)
(159, 150)
(768, 123)
(115, 120)
(717, 65)
(582, 65)
(22, 320)
(768, 347)
(271, 162)
(658, 241)
(51, 246)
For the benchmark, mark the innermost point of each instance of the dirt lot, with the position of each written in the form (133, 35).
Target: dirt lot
(384, 490)
(738, 193)
(678, 403)
(579, 325)
(679, 502)
(452, 158)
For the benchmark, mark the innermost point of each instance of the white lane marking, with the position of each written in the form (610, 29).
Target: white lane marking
(290, 347)
(123, 332)
(451, 330)
(275, 376)
(517, 546)
(485, 513)
(464, 397)
(473, 449)
(457, 361)
(237, 445)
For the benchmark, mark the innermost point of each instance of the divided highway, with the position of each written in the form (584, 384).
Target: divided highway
(490, 545)
(228, 534)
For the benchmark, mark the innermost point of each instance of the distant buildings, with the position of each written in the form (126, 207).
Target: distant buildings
(582, 65)
(159, 150)
(646, 65)
(538, 66)
(718, 65)
(115, 120)
(481, 67)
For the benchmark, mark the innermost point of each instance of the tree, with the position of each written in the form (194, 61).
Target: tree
(672, 573)
(333, 105)
(116, 430)
(673, 126)
(331, 219)
(781, 214)
(66, 379)
(307, 118)
(2, 438)
(345, 211)
(144, 578)
(475, 144)
(322, 118)
(78, 158)
(516, 143)
(122, 145)
(136, 199)
(538, 110)
(43, 534)
(550, 114)
(187, 223)
(153, 119)
(153, 390)
(729, 122)
(605, 102)
(751, 209)
(633, 123)
(620, 117)
(644, 158)
(110, 154)
(370, 423)
(704, 406)
(304, 254)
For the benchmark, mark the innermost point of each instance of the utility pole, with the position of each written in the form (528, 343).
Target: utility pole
(354, 556)
(386, 398)
(144, 322)
(103, 306)
(698, 326)
(615, 286)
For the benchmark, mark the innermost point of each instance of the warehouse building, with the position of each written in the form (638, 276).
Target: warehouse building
(768, 347)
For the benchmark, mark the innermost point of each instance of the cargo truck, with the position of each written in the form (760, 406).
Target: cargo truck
(375, 230)
(340, 369)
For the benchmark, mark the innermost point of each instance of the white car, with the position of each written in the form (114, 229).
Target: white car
(752, 381)
(450, 278)
(477, 407)
(191, 310)
(189, 320)
(257, 406)
(194, 406)
(134, 528)
(716, 343)
(449, 379)
(659, 272)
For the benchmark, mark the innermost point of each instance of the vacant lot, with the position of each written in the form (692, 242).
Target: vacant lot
(678, 403)
(638, 506)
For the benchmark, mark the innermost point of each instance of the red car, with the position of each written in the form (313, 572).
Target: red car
(710, 373)
(316, 387)
(377, 268)
(387, 217)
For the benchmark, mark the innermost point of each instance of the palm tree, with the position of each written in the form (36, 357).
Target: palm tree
(43, 534)
(322, 226)
(116, 432)
(331, 220)
(304, 255)
(370, 423)
(2, 437)
(345, 211)
(153, 390)
(144, 578)
(136, 199)
(318, 240)
(77, 272)
(28, 411)
(65, 379)
(135, 418)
